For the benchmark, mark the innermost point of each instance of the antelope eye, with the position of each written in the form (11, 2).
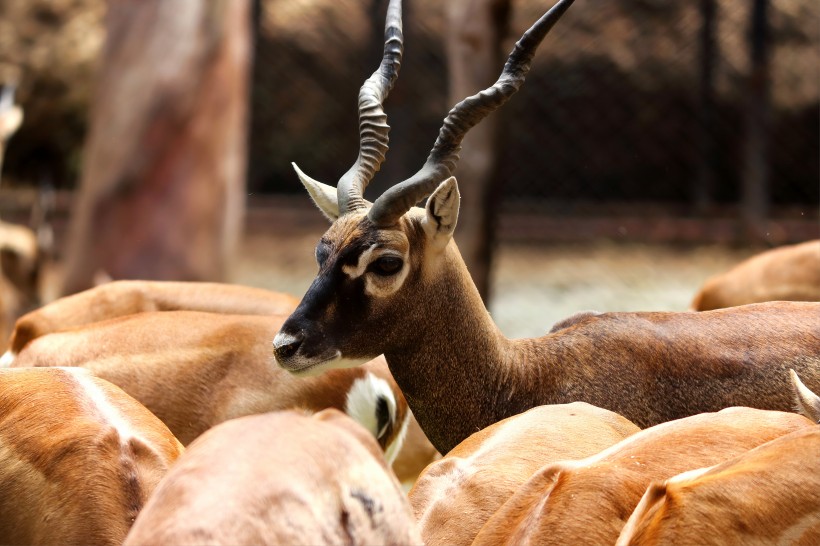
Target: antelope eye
(386, 266)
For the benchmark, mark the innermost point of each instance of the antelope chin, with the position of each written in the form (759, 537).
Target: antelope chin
(306, 367)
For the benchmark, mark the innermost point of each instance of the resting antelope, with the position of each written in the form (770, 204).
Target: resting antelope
(78, 458)
(279, 478)
(194, 370)
(769, 495)
(391, 281)
(588, 501)
(119, 298)
(19, 252)
(456, 495)
(790, 272)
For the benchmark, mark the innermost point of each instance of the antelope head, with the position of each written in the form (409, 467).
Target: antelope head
(389, 259)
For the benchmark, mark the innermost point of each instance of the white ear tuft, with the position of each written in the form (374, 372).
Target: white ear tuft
(7, 359)
(442, 211)
(323, 196)
(808, 403)
(10, 121)
(368, 399)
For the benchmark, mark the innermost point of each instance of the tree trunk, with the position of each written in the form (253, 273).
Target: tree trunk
(756, 154)
(704, 194)
(162, 191)
(475, 59)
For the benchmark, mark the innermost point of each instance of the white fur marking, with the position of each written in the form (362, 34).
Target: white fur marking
(361, 265)
(7, 359)
(100, 401)
(361, 405)
(282, 340)
(375, 285)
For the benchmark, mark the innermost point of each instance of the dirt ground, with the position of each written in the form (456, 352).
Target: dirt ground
(534, 285)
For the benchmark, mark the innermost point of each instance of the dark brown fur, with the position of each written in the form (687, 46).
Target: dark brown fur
(460, 374)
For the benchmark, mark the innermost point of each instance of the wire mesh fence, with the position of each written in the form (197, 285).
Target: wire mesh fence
(613, 111)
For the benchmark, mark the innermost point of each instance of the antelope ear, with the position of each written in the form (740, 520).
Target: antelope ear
(323, 196)
(442, 212)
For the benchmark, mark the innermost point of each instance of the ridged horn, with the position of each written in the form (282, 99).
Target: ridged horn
(373, 128)
(441, 162)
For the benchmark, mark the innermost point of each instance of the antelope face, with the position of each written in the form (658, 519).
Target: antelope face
(367, 278)
(361, 269)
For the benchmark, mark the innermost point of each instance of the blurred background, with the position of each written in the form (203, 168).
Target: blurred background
(654, 143)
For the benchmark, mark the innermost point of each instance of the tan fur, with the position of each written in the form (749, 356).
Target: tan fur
(589, 500)
(120, 298)
(19, 263)
(416, 454)
(194, 370)
(769, 495)
(789, 273)
(69, 472)
(456, 495)
(279, 478)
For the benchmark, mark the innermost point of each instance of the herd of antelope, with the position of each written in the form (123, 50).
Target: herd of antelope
(147, 413)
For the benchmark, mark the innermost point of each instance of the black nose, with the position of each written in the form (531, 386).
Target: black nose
(286, 345)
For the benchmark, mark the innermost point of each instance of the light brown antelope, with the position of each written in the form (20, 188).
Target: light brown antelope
(788, 273)
(78, 458)
(120, 298)
(807, 403)
(391, 281)
(18, 244)
(769, 495)
(279, 478)
(194, 370)
(455, 496)
(588, 501)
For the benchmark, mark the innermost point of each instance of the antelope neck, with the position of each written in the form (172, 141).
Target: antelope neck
(457, 370)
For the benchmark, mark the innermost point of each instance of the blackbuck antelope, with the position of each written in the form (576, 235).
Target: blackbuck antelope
(787, 273)
(456, 495)
(768, 495)
(195, 370)
(120, 298)
(588, 501)
(279, 478)
(391, 281)
(78, 458)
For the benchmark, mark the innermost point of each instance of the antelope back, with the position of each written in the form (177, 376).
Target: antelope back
(768, 495)
(78, 458)
(295, 480)
(195, 370)
(589, 500)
